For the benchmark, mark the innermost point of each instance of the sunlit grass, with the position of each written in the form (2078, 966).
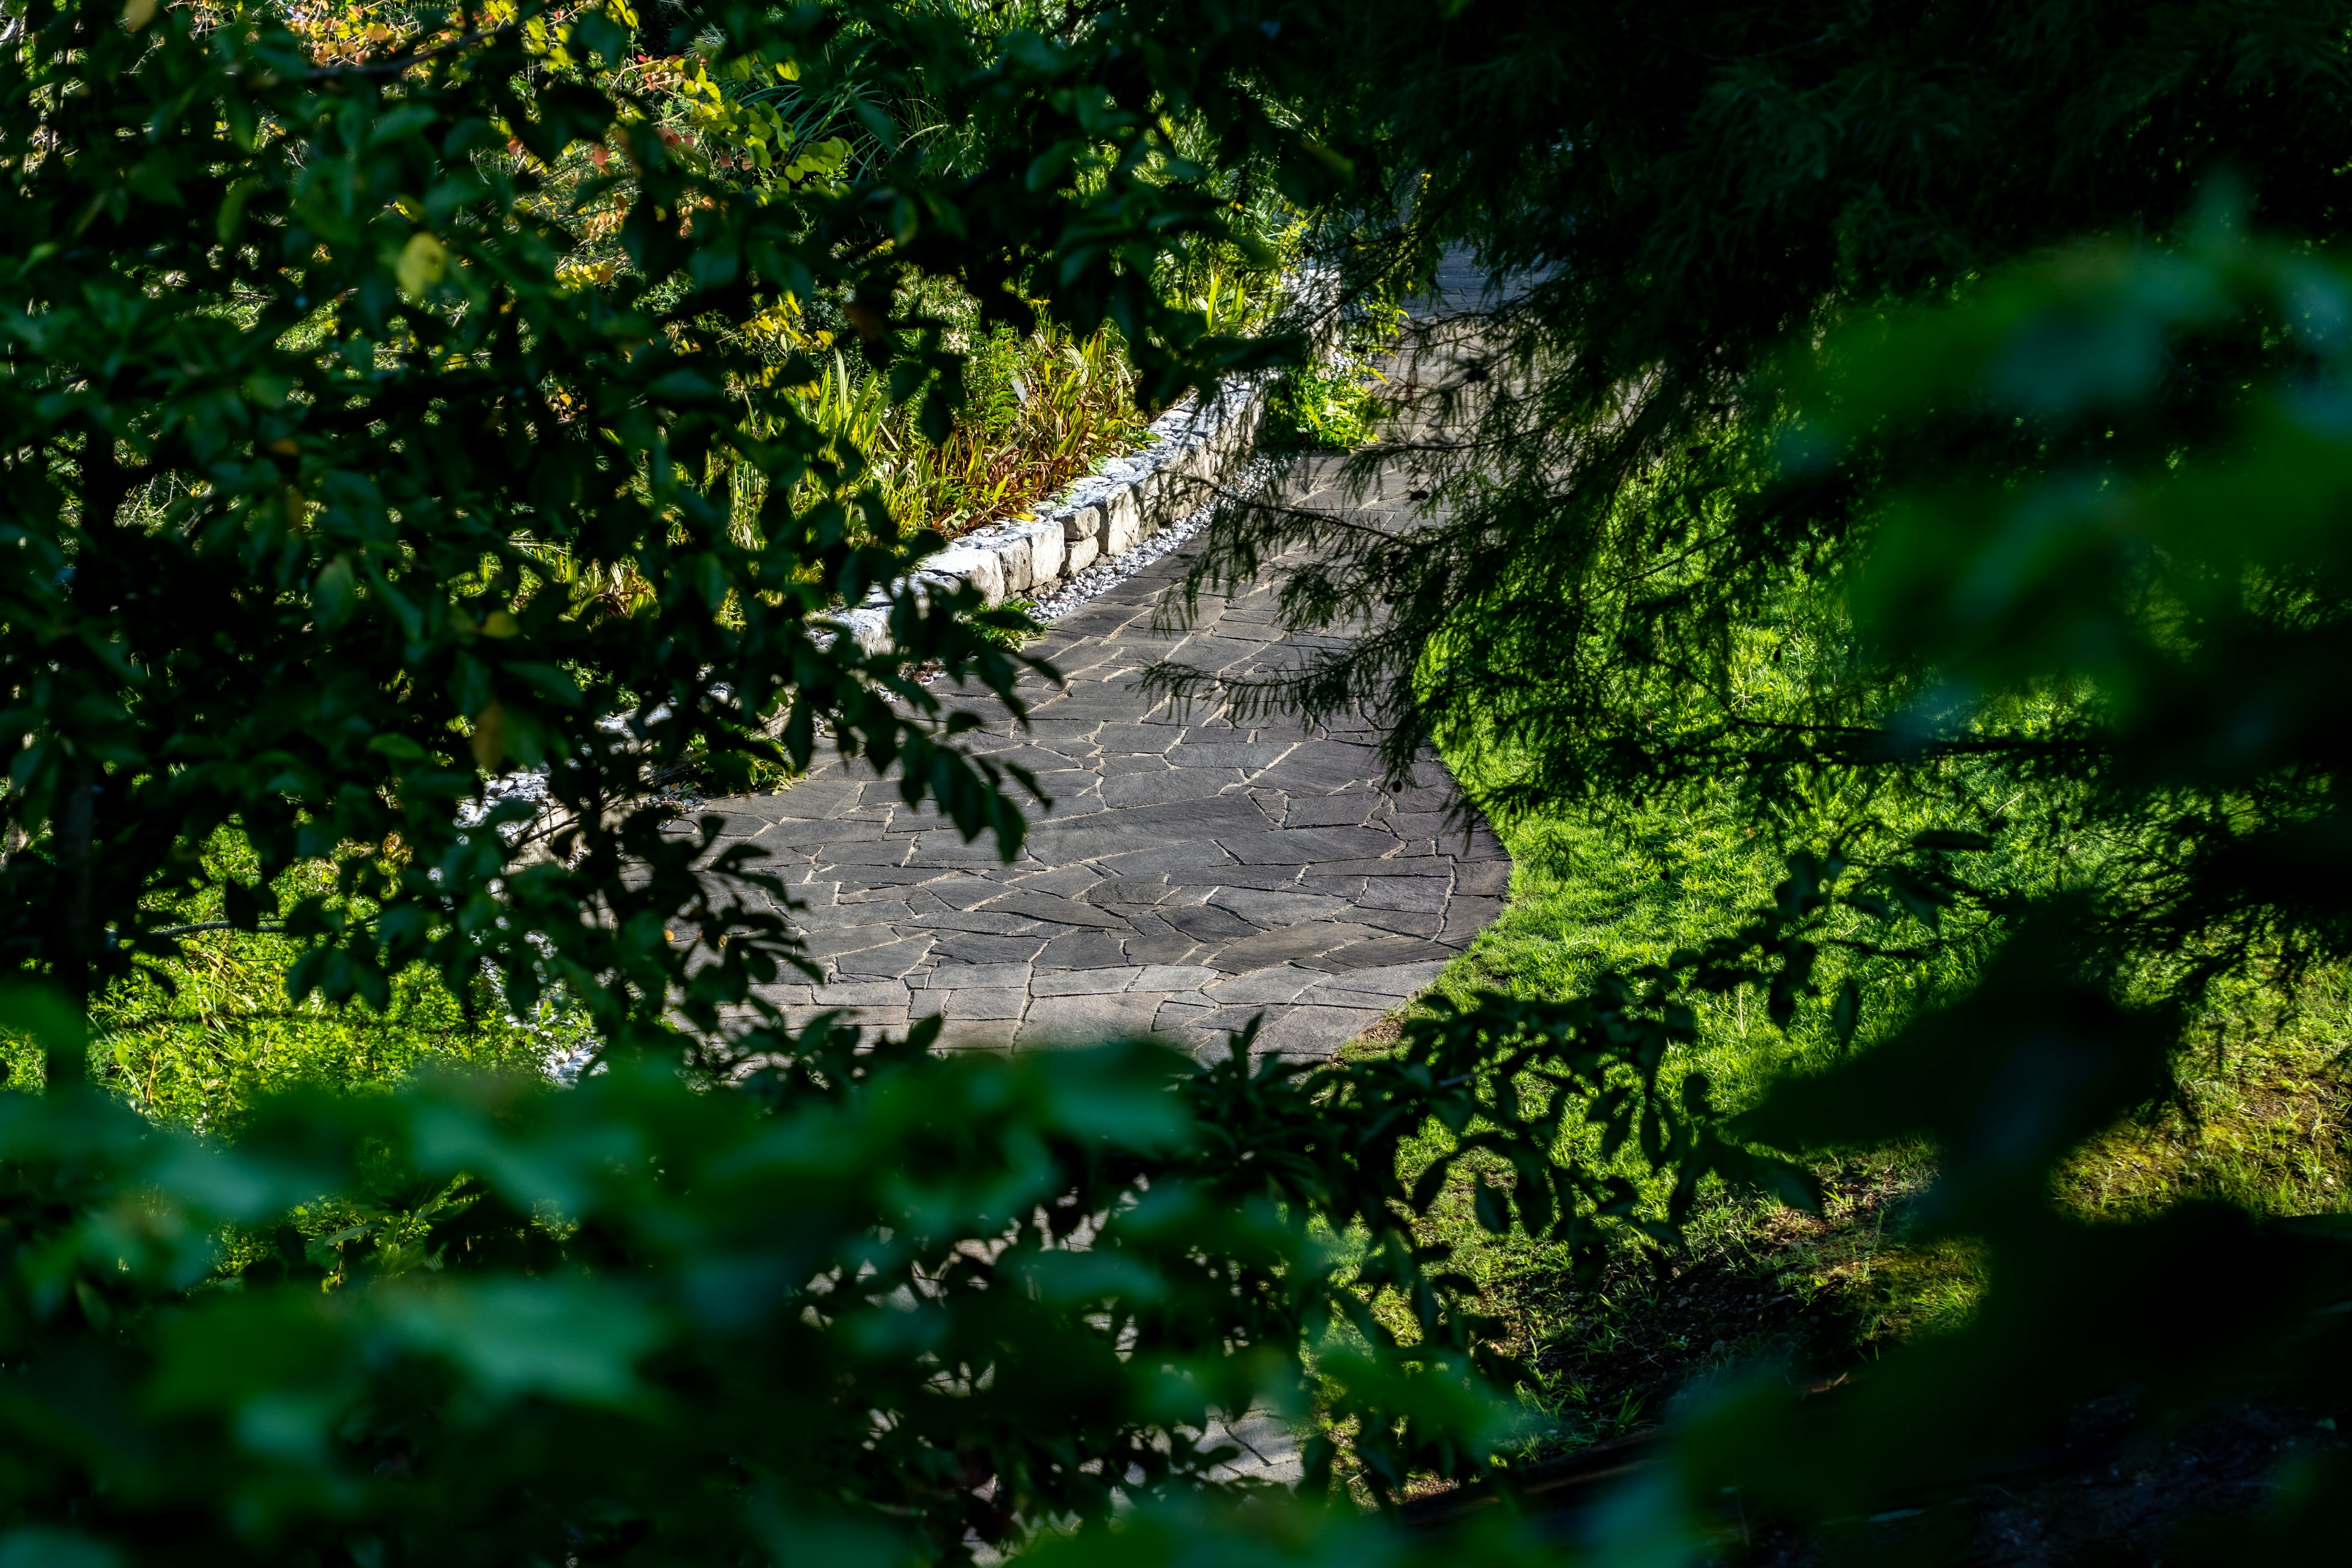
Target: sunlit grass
(196, 1039)
(2262, 1119)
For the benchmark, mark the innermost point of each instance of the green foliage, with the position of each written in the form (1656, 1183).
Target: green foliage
(2046, 524)
(337, 484)
(2198, 1303)
(901, 1303)
(1788, 479)
(2257, 1120)
(1328, 406)
(385, 421)
(1333, 401)
(225, 1033)
(1011, 624)
(1616, 1341)
(1040, 410)
(195, 1038)
(392, 420)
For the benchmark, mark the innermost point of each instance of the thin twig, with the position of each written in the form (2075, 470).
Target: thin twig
(394, 63)
(209, 925)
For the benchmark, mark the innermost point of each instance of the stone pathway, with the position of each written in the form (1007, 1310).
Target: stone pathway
(1190, 874)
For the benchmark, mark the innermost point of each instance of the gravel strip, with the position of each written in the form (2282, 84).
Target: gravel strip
(1093, 580)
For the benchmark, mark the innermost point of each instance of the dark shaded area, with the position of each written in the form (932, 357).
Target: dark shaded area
(2107, 1495)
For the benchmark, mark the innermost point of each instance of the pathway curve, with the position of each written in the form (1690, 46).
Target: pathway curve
(1191, 873)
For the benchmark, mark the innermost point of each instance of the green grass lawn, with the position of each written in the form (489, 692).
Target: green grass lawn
(2262, 1119)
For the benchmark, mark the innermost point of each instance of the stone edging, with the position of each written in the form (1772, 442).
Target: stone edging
(1189, 452)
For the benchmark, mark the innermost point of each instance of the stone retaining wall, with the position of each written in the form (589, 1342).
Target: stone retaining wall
(1189, 451)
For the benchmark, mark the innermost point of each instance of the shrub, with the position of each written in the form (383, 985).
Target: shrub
(1325, 407)
(385, 421)
(869, 1301)
(340, 477)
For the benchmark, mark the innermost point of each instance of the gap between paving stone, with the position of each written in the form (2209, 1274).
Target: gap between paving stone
(1191, 873)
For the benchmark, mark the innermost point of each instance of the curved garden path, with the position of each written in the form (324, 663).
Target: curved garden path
(1191, 873)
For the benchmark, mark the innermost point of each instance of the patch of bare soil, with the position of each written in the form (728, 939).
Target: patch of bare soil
(2109, 1495)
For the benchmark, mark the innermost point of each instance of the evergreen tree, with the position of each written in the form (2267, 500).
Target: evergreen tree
(1879, 416)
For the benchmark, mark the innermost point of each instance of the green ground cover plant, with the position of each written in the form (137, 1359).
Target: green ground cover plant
(1333, 401)
(1325, 407)
(2257, 1118)
(196, 1038)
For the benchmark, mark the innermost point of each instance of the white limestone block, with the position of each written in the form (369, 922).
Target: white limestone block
(1012, 558)
(978, 567)
(868, 629)
(1046, 548)
(1122, 523)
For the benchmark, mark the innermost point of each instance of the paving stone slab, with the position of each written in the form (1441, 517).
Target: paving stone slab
(969, 947)
(1004, 1005)
(1176, 977)
(1396, 982)
(1108, 981)
(1198, 870)
(950, 976)
(1284, 983)
(889, 961)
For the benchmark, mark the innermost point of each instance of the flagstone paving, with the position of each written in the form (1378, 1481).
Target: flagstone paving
(1191, 873)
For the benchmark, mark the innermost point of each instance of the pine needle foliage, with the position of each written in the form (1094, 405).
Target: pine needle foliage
(1876, 422)
(1661, 201)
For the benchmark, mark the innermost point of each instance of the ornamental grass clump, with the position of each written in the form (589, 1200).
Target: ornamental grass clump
(1040, 410)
